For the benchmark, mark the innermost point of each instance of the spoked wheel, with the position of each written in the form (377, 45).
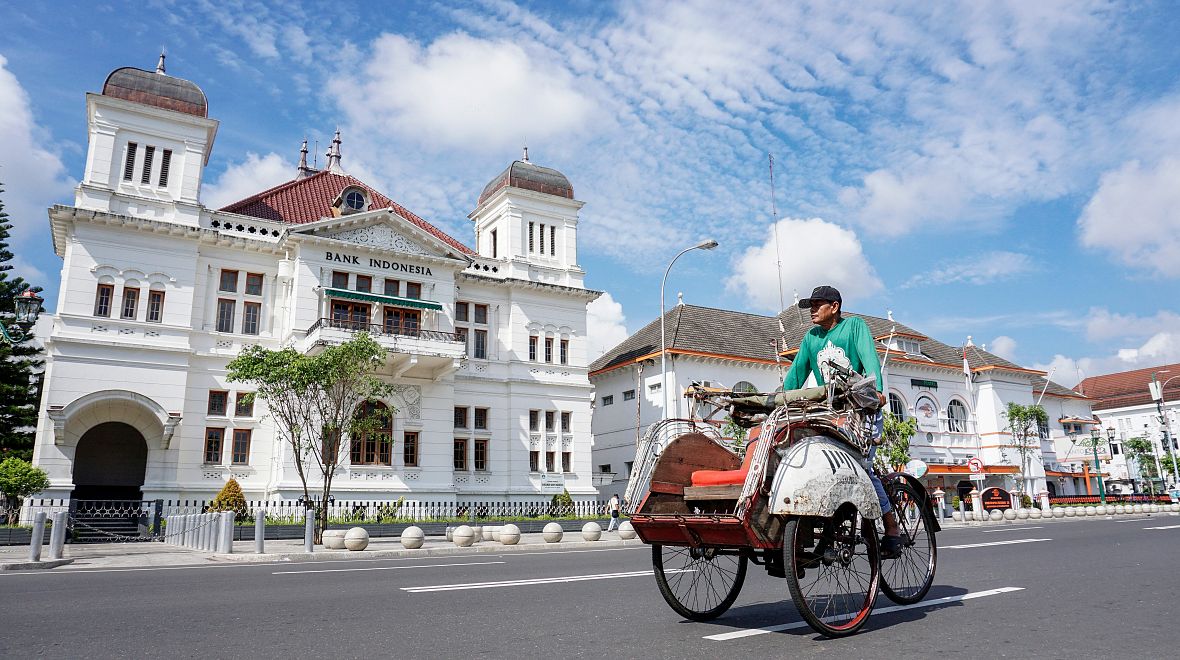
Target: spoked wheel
(907, 578)
(832, 568)
(699, 583)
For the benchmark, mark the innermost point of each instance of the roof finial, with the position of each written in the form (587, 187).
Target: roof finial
(680, 298)
(969, 342)
(525, 157)
(304, 170)
(160, 64)
(334, 155)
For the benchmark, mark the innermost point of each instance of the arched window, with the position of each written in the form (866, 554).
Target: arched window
(956, 416)
(926, 412)
(373, 444)
(896, 406)
(744, 386)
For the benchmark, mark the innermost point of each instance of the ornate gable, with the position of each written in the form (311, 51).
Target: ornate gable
(381, 236)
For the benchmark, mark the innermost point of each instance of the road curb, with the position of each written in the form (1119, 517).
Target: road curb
(455, 551)
(34, 565)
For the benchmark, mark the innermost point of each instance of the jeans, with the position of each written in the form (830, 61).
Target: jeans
(886, 507)
(614, 522)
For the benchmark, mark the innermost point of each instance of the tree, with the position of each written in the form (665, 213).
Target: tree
(1025, 423)
(1141, 451)
(315, 401)
(19, 363)
(19, 479)
(895, 440)
(231, 498)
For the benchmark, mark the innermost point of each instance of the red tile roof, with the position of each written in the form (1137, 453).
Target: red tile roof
(1128, 388)
(301, 201)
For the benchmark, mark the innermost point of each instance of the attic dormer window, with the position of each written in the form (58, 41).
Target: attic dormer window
(354, 200)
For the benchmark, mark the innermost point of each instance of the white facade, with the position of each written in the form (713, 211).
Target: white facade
(956, 424)
(1138, 421)
(159, 293)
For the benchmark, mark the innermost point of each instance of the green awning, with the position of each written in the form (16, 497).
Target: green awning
(393, 301)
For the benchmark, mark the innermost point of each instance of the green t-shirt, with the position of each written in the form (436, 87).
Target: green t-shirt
(848, 343)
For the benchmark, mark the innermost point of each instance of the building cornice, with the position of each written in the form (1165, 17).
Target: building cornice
(516, 283)
(60, 215)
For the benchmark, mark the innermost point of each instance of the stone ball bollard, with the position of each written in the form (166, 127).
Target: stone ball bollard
(1091, 511)
(413, 537)
(1100, 510)
(463, 536)
(488, 532)
(333, 539)
(996, 515)
(1155, 508)
(956, 516)
(1034, 514)
(627, 532)
(356, 539)
(591, 531)
(1174, 507)
(1058, 512)
(1022, 513)
(1071, 511)
(477, 533)
(509, 535)
(1009, 514)
(450, 534)
(1137, 508)
(496, 533)
(552, 533)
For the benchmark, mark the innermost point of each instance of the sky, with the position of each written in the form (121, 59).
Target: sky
(1005, 171)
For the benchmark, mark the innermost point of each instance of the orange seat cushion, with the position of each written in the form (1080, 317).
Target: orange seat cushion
(726, 477)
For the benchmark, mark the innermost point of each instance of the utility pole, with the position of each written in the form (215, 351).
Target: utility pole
(1157, 393)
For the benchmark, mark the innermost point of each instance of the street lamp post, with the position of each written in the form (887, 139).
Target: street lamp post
(1157, 393)
(1095, 438)
(703, 245)
(28, 306)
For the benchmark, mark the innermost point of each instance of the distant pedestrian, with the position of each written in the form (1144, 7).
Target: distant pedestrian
(615, 508)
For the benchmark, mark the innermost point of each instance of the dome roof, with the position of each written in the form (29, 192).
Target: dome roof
(156, 89)
(523, 174)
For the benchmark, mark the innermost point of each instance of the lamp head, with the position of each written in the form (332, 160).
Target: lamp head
(708, 244)
(28, 306)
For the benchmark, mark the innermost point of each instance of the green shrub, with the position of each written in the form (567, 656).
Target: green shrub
(231, 499)
(1026, 501)
(563, 499)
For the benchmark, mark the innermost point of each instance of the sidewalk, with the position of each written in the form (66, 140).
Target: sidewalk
(132, 556)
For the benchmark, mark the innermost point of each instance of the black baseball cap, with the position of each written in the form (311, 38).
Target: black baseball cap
(821, 294)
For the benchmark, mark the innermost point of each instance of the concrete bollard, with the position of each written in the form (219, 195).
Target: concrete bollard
(962, 510)
(202, 532)
(260, 531)
(57, 538)
(309, 530)
(38, 536)
(227, 533)
(190, 531)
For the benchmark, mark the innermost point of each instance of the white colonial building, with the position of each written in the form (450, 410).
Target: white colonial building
(925, 380)
(158, 293)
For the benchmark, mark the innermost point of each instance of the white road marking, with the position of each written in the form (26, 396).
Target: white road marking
(571, 552)
(530, 582)
(1011, 529)
(984, 545)
(1164, 527)
(386, 568)
(1133, 520)
(750, 632)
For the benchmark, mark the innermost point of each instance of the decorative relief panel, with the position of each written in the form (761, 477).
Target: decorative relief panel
(408, 398)
(382, 236)
(482, 478)
(411, 475)
(461, 480)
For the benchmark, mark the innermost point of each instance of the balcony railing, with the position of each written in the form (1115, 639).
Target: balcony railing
(386, 330)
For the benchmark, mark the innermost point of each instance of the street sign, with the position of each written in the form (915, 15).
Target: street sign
(552, 483)
(975, 465)
(996, 499)
(917, 468)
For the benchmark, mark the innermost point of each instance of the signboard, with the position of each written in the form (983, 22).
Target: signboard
(996, 499)
(917, 468)
(975, 465)
(926, 413)
(552, 483)
(929, 384)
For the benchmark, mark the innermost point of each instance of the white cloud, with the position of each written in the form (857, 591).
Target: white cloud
(1160, 348)
(605, 326)
(462, 91)
(31, 172)
(1103, 325)
(1135, 216)
(1003, 346)
(249, 177)
(813, 252)
(981, 269)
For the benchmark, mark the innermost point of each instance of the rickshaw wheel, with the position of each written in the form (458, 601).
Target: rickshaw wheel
(833, 570)
(907, 579)
(699, 583)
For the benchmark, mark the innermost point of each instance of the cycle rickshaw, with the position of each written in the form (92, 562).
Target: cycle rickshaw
(798, 502)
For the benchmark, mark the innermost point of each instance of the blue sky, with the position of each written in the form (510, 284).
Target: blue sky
(1004, 170)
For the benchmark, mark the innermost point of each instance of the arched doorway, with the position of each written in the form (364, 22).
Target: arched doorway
(110, 463)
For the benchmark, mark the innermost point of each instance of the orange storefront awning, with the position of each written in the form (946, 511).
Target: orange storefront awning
(963, 469)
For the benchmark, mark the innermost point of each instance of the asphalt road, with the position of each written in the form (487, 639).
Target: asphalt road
(1098, 588)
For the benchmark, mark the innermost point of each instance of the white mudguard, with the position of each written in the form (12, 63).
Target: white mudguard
(819, 474)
